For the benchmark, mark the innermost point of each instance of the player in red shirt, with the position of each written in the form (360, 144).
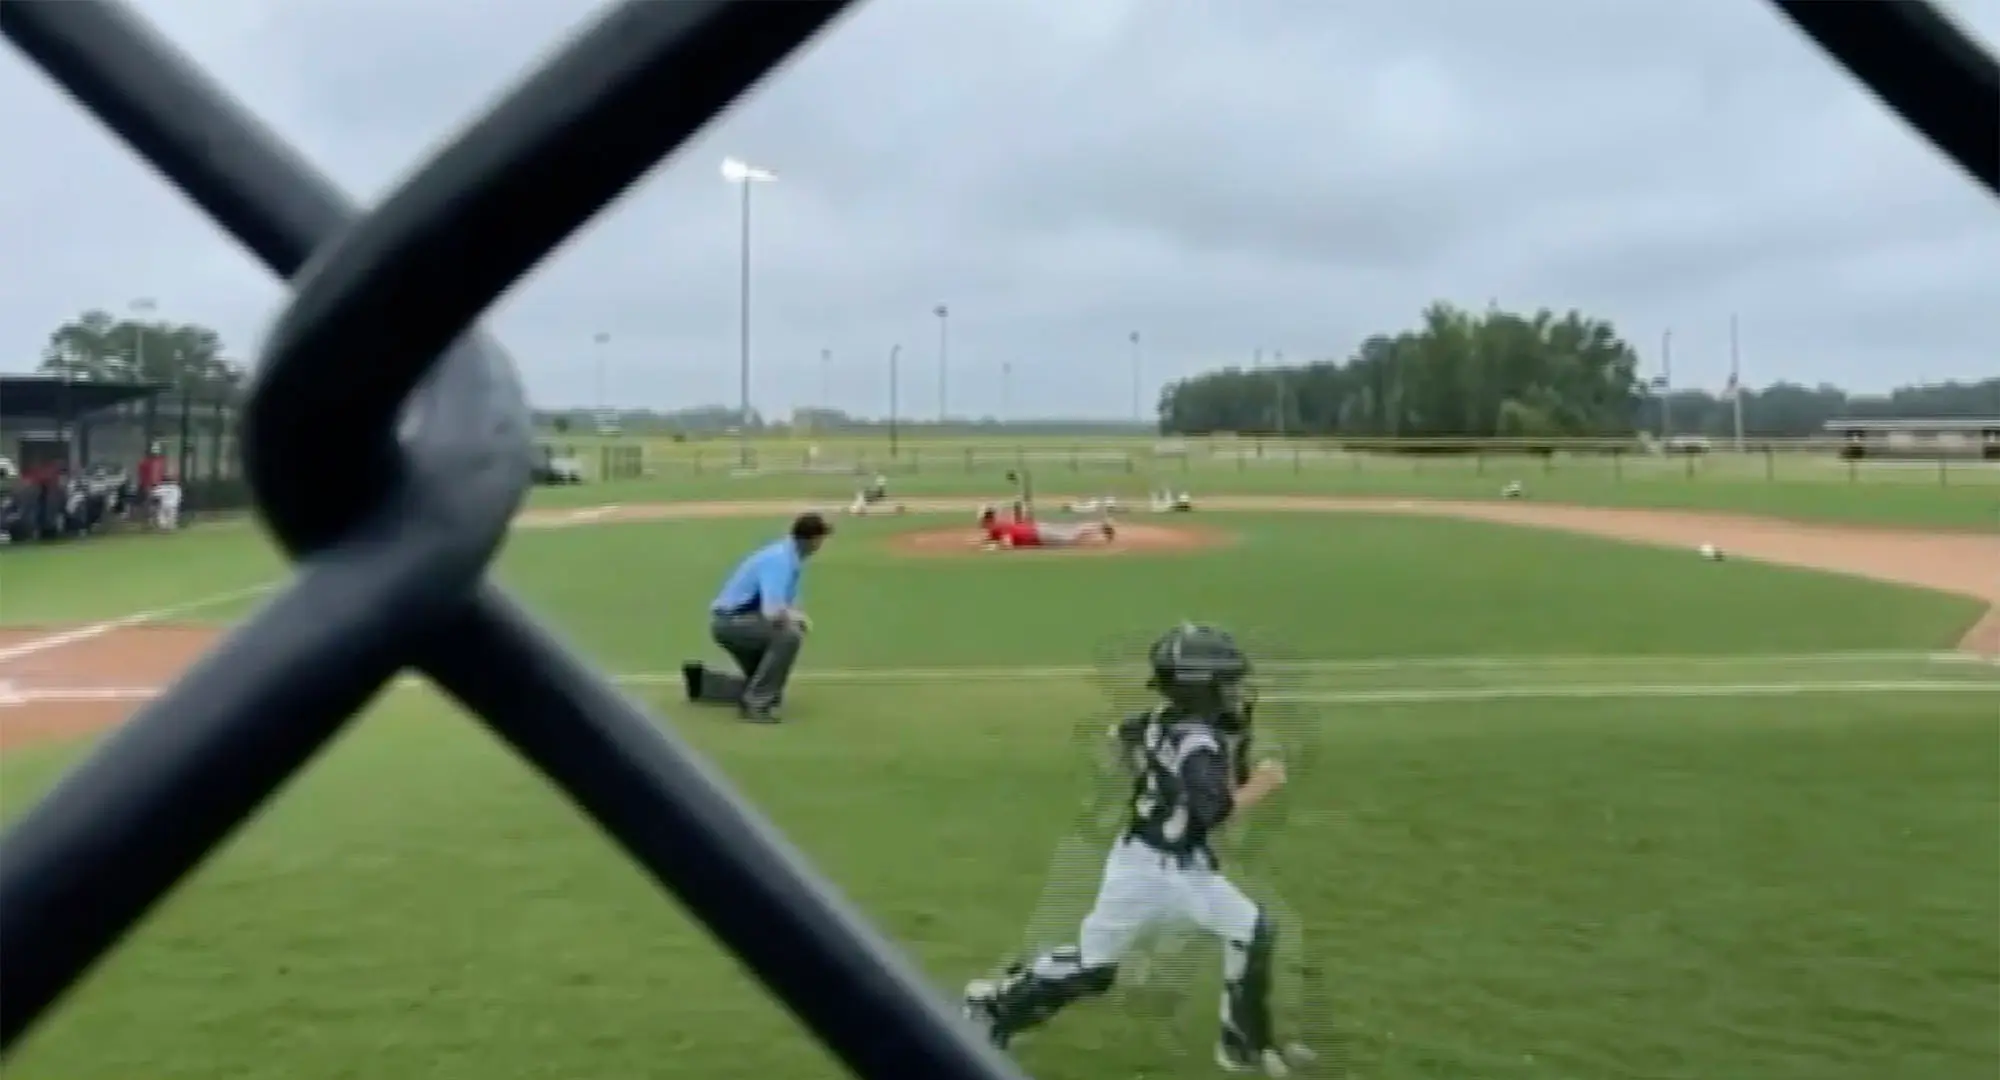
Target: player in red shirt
(1021, 531)
(152, 470)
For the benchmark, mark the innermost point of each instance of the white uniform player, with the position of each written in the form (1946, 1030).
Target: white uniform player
(1105, 505)
(875, 494)
(1161, 871)
(167, 505)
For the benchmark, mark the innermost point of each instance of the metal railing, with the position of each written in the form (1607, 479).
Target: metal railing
(392, 537)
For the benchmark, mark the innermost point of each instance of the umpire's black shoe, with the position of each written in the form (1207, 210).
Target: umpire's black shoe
(691, 678)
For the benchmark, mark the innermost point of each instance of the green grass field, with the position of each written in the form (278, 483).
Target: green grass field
(1795, 483)
(1562, 809)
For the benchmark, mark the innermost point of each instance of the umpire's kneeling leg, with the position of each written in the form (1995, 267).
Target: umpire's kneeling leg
(767, 682)
(765, 649)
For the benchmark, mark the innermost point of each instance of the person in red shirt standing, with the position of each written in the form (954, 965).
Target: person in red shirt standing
(1024, 532)
(159, 493)
(152, 470)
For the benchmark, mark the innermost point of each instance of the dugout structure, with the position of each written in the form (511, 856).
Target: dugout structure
(47, 419)
(80, 423)
(1918, 439)
(388, 446)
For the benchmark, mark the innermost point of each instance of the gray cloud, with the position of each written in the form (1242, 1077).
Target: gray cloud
(1278, 174)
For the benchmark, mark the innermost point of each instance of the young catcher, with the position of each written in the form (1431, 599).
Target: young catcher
(1162, 869)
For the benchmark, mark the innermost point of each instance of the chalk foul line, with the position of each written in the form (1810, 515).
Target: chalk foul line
(1633, 691)
(1554, 665)
(13, 696)
(89, 631)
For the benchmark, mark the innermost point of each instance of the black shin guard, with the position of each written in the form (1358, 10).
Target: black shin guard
(1246, 993)
(1030, 995)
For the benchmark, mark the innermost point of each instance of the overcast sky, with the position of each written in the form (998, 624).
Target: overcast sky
(1221, 176)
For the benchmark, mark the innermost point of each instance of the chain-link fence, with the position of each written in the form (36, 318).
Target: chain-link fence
(388, 446)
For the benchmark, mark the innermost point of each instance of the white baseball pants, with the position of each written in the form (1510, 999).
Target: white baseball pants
(1144, 889)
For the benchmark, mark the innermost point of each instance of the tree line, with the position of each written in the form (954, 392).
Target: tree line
(715, 421)
(1500, 374)
(98, 346)
(1457, 374)
(1786, 410)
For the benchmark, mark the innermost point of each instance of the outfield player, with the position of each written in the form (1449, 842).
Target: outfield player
(874, 495)
(1162, 869)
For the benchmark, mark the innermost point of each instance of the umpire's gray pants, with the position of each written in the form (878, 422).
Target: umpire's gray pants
(764, 650)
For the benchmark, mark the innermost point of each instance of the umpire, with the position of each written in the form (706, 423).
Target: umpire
(757, 621)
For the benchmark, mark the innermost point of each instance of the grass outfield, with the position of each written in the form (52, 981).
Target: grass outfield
(1562, 808)
(1960, 495)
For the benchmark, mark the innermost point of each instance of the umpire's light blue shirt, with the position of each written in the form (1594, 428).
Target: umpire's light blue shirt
(765, 581)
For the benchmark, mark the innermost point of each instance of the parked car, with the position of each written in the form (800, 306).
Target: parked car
(557, 468)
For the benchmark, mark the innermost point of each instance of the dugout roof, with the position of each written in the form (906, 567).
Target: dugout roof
(49, 397)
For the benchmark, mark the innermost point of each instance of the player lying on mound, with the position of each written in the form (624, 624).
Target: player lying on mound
(873, 497)
(1162, 870)
(1021, 531)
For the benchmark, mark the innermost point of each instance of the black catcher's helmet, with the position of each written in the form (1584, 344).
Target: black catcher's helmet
(1200, 669)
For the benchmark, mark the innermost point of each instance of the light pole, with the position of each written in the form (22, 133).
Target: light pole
(1007, 392)
(744, 175)
(1735, 383)
(598, 358)
(142, 308)
(943, 314)
(1667, 389)
(1278, 382)
(894, 384)
(825, 384)
(1135, 376)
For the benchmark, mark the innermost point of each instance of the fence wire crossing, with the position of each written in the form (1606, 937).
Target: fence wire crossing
(377, 351)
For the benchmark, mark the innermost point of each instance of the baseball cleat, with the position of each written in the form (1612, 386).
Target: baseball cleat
(978, 1006)
(1271, 1061)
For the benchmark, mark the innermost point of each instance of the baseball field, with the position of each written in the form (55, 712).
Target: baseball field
(1567, 801)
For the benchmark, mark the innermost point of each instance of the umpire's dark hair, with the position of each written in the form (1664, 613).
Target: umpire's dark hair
(810, 527)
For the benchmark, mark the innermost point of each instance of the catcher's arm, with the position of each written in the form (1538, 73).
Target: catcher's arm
(1118, 755)
(1124, 745)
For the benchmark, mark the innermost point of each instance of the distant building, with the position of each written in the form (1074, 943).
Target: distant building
(1918, 438)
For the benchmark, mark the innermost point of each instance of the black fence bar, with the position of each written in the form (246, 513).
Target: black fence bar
(731, 869)
(399, 285)
(375, 351)
(1923, 65)
(882, 995)
(123, 827)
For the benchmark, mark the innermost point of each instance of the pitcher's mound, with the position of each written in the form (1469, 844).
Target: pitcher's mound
(1131, 538)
